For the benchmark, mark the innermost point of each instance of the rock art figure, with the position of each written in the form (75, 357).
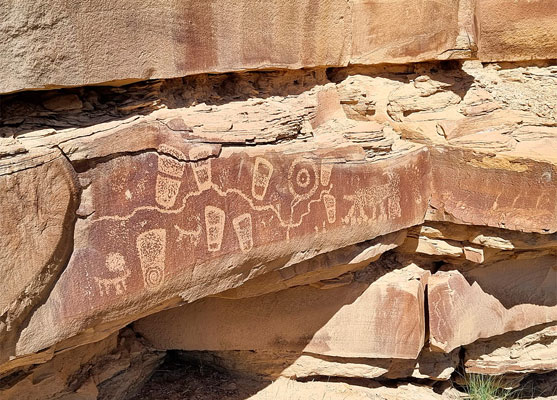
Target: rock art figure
(170, 172)
(262, 172)
(330, 207)
(202, 167)
(244, 231)
(302, 179)
(214, 223)
(115, 264)
(151, 247)
(326, 169)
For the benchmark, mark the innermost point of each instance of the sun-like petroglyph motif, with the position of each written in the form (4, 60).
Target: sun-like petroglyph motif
(244, 231)
(330, 207)
(116, 266)
(214, 225)
(302, 179)
(202, 167)
(151, 247)
(262, 172)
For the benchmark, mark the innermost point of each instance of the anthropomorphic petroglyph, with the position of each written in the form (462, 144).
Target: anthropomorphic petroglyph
(151, 247)
(214, 225)
(244, 231)
(202, 167)
(262, 172)
(169, 178)
(116, 266)
(330, 207)
(326, 170)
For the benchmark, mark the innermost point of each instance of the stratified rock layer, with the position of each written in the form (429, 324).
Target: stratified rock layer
(292, 220)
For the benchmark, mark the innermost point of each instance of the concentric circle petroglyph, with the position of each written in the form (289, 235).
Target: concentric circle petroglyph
(302, 179)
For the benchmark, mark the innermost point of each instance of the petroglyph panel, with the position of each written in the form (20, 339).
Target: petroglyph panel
(481, 189)
(224, 215)
(244, 231)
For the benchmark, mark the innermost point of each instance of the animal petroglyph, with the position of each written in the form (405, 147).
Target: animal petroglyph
(302, 179)
(167, 187)
(116, 265)
(244, 231)
(214, 224)
(202, 168)
(151, 247)
(262, 172)
(193, 235)
(381, 201)
(330, 207)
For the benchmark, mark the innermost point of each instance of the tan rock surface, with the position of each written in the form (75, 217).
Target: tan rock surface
(39, 198)
(518, 30)
(370, 318)
(75, 44)
(506, 296)
(289, 389)
(533, 350)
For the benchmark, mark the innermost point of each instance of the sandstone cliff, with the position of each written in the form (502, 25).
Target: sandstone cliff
(352, 199)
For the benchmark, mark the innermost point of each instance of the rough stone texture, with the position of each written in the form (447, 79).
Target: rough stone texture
(533, 350)
(112, 368)
(373, 317)
(506, 296)
(38, 213)
(244, 200)
(517, 30)
(52, 44)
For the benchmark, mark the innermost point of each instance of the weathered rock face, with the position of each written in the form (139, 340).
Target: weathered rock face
(534, 350)
(521, 30)
(352, 320)
(507, 296)
(377, 222)
(98, 43)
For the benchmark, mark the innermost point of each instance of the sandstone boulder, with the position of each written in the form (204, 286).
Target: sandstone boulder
(484, 302)
(39, 198)
(532, 350)
(242, 209)
(370, 317)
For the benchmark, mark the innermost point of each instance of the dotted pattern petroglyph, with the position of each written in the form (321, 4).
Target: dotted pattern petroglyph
(151, 247)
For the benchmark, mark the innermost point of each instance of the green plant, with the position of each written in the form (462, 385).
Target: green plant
(485, 387)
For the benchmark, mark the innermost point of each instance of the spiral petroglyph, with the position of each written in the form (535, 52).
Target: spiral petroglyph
(151, 247)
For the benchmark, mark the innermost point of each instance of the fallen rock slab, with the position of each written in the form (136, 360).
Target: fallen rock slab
(530, 351)
(370, 317)
(484, 302)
